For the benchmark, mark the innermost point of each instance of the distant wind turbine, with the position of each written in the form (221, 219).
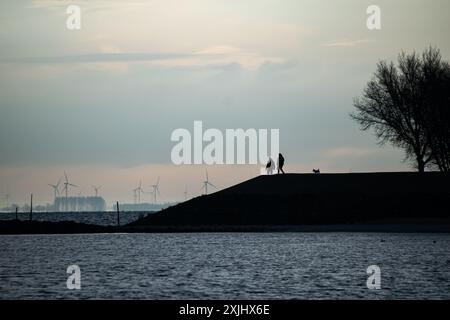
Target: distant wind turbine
(206, 183)
(138, 190)
(155, 190)
(55, 188)
(66, 190)
(96, 189)
(67, 184)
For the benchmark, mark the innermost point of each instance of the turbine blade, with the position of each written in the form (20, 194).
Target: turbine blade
(212, 185)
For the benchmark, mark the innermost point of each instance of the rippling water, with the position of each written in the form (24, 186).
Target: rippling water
(226, 266)
(99, 218)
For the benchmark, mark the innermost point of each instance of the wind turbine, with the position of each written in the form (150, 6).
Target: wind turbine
(138, 190)
(155, 190)
(66, 190)
(96, 189)
(55, 188)
(206, 183)
(67, 184)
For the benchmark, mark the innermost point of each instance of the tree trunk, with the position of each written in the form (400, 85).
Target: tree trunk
(420, 165)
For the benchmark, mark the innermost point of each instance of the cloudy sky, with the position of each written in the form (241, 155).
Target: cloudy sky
(102, 102)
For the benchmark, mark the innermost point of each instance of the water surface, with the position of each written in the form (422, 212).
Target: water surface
(107, 218)
(226, 266)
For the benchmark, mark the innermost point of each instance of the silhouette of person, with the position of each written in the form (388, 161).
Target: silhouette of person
(280, 163)
(269, 166)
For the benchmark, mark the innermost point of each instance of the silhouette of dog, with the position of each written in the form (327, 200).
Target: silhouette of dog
(316, 171)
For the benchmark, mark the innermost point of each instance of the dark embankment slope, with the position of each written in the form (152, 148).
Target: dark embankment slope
(308, 199)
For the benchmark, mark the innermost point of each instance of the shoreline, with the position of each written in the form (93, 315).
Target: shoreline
(15, 227)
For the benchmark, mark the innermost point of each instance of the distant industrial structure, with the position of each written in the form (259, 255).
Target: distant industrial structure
(94, 203)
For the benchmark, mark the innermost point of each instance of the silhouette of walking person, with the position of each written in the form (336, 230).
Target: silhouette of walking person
(280, 163)
(269, 166)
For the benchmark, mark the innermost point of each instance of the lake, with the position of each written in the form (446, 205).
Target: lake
(226, 266)
(107, 218)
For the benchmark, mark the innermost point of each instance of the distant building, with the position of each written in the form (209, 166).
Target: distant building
(79, 204)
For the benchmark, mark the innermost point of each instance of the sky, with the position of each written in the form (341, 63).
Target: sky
(101, 102)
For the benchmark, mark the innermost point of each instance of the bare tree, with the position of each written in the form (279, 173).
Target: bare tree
(436, 89)
(408, 105)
